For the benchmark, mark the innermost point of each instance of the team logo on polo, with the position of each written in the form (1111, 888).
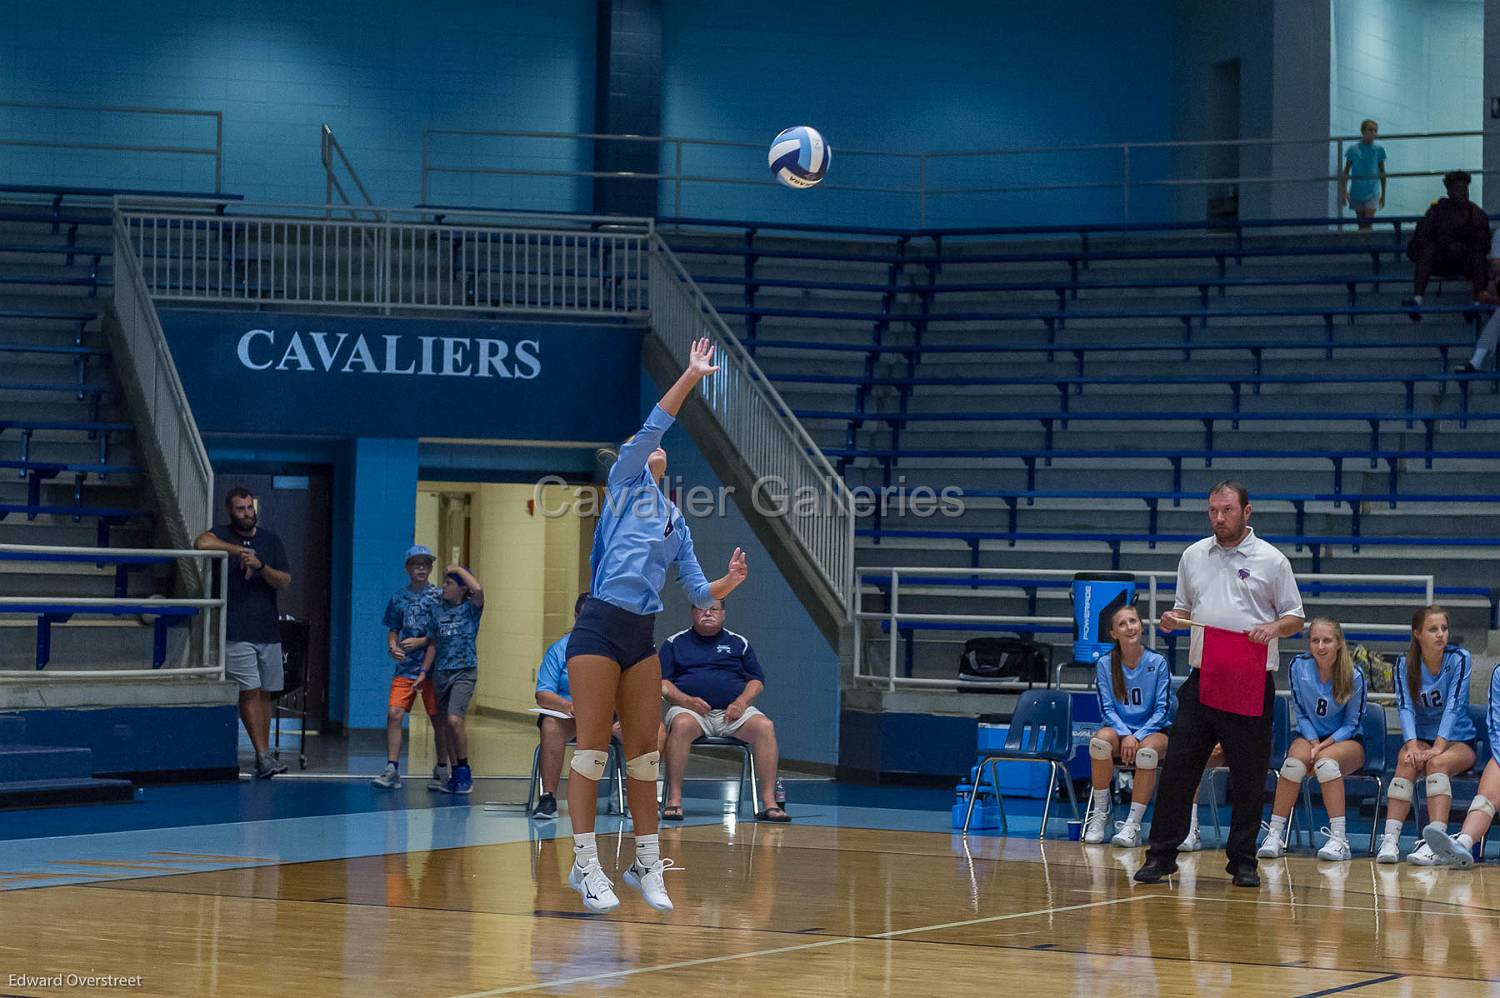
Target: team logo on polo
(1243, 573)
(722, 649)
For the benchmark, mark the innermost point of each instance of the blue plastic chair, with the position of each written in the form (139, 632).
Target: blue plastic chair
(1041, 731)
(1372, 733)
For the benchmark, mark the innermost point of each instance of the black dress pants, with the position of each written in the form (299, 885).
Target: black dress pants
(1247, 752)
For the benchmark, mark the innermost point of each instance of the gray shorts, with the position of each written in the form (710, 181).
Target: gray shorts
(253, 666)
(714, 725)
(454, 689)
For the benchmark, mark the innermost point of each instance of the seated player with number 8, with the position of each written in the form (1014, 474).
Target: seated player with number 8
(1432, 697)
(1455, 850)
(1328, 693)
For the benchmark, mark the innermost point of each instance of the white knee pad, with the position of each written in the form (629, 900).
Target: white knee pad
(1099, 749)
(1294, 770)
(1438, 785)
(643, 767)
(1146, 758)
(1401, 789)
(590, 764)
(1327, 771)
(1482, 804)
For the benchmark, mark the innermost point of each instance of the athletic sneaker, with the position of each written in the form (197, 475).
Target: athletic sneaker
(594, 887)
(440, 777)
(1335, 850)
(462, 781)
(651, 882)
(1193, 842)
(1273, 846)
(1448, 850)
(1422, 855)
(389, 777)
(1390, 849)
(1097, 826)
(266, 767)
(546, 808)
(1128, 836)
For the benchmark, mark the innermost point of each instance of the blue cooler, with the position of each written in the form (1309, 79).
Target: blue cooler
(1096, 595)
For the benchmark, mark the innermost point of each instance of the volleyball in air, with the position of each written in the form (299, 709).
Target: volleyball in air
(799, 157)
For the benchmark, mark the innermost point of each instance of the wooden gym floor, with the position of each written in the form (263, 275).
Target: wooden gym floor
(762, 910)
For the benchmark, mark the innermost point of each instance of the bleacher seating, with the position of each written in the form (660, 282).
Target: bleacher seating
(1092, 372)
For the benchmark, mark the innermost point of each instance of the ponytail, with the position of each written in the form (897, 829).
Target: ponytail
(1414, 652)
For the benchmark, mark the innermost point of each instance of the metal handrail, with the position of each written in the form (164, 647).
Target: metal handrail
(328, 148)
(146, 356)
(767, 436)
(216, 150)
(893, 615)
(213, 640)
(915, 168)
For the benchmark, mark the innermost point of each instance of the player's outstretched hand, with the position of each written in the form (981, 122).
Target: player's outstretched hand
(738, 568)
(701, 362)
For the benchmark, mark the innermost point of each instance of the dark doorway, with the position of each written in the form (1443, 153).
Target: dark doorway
(297, 505)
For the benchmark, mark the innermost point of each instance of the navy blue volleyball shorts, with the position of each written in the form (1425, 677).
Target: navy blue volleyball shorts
(605, 629)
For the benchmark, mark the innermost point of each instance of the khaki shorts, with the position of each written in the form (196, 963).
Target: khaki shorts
(454, 689)
(714, 725)
(253, 666)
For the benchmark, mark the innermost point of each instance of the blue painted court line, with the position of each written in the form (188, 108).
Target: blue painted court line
(1354, 986)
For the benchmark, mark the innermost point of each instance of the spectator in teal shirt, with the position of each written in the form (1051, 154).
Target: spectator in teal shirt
(1362, 179)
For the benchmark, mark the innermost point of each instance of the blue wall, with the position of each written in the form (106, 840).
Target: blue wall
(378, 72)
(943, 75)
(802, 671)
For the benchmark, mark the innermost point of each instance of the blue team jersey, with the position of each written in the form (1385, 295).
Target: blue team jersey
(1442, 708)
(641, 532)
(552, 676)
(1364, 170)
(1493, 713)
(408, 613)
(455, 627)
(1148, 704)
(1318, 714)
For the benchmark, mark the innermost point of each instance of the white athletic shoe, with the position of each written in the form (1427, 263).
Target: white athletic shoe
(1193, 842)
(1390, 849)
(594, 887)
(1097, 827)
(1448, 850)
(1335, 850)
(1128, 836)
(651, 882)
(1272, 847)
(1422, 856)
(389, 778)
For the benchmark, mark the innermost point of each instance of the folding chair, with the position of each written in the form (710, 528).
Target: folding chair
(1372, 733)
(1041, 731)
(614, 769)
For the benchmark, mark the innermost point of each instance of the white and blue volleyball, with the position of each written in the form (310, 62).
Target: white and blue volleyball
(799, 157)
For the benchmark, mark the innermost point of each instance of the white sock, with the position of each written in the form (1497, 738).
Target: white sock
(1101, 798)
(1278, 826)
(1336, 828)
(1137, 812)
(1193, 828)
(1465, 841)
(1417, 299)
(1393, 827)
(1477, 358)
(647, 850)
(584, 849)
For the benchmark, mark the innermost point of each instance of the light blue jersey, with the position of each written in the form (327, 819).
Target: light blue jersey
(1442, 709)
(407, 614)
(552, 677)
(455, 627)
(1364, 171)
(1148, 704)
(1318, 714)
(641, 532)
(1493, 714)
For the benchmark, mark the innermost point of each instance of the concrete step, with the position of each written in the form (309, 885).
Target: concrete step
(12, 729)
(53, 793)
(43, 762)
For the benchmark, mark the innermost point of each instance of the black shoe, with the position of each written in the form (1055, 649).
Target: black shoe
(546, 808)
(1154, 871)
(1411, 303)
(1244, 876)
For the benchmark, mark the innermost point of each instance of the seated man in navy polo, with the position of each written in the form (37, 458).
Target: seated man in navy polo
(710, 678)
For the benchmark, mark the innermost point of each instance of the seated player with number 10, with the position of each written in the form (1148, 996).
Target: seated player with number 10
(1329, 695)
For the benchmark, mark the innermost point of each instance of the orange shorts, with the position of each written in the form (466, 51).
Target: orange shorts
(404, 694)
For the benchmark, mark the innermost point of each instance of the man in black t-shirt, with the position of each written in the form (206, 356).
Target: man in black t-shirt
(252, 653)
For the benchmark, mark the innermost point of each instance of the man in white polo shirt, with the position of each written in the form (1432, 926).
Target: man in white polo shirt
(1237, 582)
